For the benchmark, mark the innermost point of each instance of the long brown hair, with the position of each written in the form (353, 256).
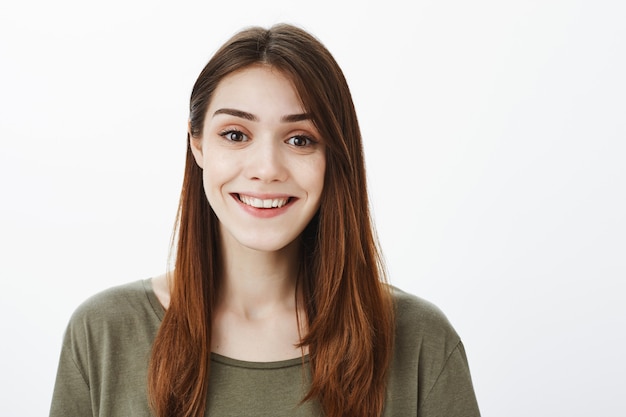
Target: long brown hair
(349, 312)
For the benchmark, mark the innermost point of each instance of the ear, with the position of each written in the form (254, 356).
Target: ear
(196, 146)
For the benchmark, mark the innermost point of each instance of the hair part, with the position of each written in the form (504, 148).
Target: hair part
(349, 312)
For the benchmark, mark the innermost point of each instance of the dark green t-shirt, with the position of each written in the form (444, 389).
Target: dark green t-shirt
(103, 365)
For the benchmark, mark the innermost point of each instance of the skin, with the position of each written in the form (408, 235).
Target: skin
(258, 148)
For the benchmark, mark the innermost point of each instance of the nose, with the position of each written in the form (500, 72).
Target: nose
(265, 161)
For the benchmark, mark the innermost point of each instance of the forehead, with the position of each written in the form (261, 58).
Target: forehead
(257, 89)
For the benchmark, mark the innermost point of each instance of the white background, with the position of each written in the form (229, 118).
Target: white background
(494, 135)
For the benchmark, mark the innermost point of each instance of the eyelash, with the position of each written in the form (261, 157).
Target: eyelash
(226, 133)
(309, 141)
(244, 138)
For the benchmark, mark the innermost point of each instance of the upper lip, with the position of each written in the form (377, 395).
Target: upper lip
(264, 196)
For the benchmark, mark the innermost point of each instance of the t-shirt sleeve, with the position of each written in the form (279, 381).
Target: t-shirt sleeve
(452, 395)
(71, 396)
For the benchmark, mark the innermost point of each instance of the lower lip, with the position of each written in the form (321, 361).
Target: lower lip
(263, 213)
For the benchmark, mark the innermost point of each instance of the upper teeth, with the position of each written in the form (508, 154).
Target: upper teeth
(260, 203)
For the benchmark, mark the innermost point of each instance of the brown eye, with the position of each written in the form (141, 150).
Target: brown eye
(234, 136)
(299, 141)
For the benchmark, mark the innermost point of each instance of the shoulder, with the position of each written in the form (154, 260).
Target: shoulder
(106, 348)
(114, 301)
(118, 309)
(410, 304)
(422, 326)
(429, 367)
(417, 315)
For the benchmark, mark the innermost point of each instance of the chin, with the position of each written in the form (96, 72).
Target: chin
(260, 243)
(268, 246)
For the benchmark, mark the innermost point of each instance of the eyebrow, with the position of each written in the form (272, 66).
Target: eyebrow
(290, 118)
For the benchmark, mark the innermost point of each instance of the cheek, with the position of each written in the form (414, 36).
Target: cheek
(315, 177)
(217, 162)
(217, 171)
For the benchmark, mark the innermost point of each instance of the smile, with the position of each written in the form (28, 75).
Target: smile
(263, 203)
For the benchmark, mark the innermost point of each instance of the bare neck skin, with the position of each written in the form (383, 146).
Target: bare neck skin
(257, 282)
(255, 318)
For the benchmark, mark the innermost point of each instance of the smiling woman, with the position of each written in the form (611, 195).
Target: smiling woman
(262, 158)
(278, 303)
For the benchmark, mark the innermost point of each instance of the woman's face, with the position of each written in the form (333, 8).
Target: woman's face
(263, 160)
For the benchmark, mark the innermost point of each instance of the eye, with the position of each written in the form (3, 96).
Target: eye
(300, 141)
(234, 135)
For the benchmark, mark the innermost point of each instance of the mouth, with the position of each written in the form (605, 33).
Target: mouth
(263, 203)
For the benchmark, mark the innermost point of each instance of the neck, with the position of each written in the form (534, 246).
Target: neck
(257, 283)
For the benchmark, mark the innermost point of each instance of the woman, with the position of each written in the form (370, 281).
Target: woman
(277, 304)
